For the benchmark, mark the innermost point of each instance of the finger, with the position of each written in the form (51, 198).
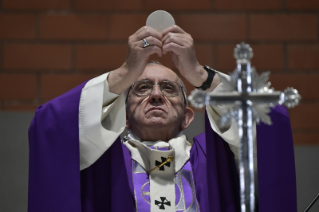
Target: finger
(152, 41)
(174, 28)
(139, 30)
(180, 39)
(171, 34)
(172, 47)
(153, 50)
(143, 28)
(182, 43)
(147, 31)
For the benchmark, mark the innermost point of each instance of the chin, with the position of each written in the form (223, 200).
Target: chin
(156, 121)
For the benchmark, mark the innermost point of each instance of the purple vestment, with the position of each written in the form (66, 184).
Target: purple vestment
(57, 185)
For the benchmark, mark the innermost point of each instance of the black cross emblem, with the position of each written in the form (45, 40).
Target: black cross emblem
(157, 163)
(161, 204)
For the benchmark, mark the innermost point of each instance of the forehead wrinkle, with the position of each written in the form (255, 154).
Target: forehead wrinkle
(161, 73)
(147, 79)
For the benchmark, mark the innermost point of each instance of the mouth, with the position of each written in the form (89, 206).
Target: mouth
(155, 109)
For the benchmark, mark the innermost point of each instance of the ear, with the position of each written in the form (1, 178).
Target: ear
(188, 118)
(128, 124)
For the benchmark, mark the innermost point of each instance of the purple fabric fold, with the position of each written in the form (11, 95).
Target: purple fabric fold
(276, 164)
(55, 182)
(54, 174)
(216, 178)
(57, 185)
(105, 184)
(184, 188)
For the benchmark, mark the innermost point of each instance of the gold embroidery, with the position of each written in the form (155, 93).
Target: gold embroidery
(169, 159)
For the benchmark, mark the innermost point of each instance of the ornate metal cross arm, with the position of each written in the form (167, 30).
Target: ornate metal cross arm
(248, 99)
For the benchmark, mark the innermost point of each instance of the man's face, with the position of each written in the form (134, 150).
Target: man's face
(156, 114)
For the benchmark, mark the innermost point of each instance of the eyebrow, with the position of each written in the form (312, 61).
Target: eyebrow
(146, 79)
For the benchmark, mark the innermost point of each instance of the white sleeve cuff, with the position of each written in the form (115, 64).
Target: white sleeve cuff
(231, 135)
(99, 126)
(214, 114)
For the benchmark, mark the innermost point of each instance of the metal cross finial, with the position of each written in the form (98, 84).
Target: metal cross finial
(248, 98)
(243, 52)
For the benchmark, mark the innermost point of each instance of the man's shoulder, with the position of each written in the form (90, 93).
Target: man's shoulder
(64, 100)
(199, 142)
(200, 138)
(279, 116)
(279, 109)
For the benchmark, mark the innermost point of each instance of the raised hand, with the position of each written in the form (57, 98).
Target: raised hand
(138, 55)
(181, 47)
(136, 59)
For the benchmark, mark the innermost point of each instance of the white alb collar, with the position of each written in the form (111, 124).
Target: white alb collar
(141, 151)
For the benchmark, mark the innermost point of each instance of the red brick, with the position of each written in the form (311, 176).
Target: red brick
(37, 56)
(204, 54)
(302, 5)
(75, 27)
(122, 26)
(284, 27)
(36, 4)
(1, 61)
(18, 86)
(305, 138)
(303, 56)
(108, 5)
(214, 27)
(266, 57)
(55, 85)
(99, 56)
(248, 5)
(182, 5)
(20, 106)
(305, 116)
(306, 84)
(17, 26)
(225, 58)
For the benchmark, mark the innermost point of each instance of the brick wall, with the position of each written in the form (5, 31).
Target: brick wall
(49, 46)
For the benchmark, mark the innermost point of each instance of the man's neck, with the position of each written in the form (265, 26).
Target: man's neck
(155, 135)
(153, 138)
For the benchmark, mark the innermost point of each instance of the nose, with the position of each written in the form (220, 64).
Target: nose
(156, 95)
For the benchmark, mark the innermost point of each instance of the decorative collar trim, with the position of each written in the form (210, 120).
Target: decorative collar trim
(141, 150)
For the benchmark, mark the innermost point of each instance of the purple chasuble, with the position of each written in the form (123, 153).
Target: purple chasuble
(184, 188)
(57, 185)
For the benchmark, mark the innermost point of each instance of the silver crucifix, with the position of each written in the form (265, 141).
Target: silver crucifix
(248, 98)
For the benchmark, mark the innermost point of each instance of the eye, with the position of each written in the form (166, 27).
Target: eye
(168, 88)
(142, 87)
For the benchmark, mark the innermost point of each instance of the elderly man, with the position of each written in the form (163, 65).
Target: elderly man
(155, 167)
